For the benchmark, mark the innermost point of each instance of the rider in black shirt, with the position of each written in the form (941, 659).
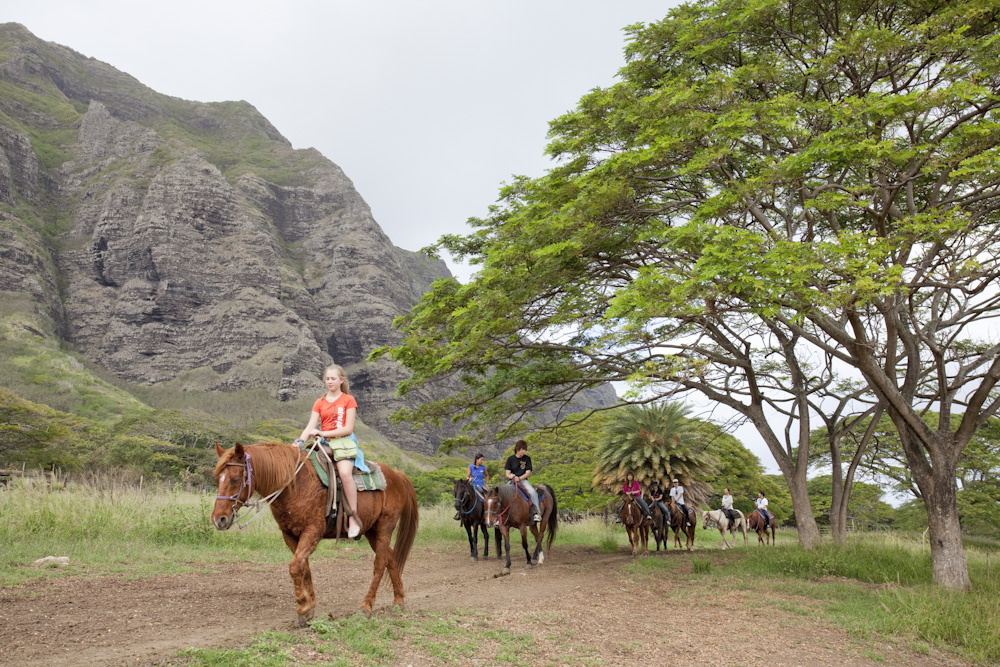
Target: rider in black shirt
(518, 469)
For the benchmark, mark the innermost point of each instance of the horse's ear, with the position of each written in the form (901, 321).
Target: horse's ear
(240, 452)
(219, 450)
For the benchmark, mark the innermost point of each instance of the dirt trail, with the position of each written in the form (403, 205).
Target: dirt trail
(114, 621)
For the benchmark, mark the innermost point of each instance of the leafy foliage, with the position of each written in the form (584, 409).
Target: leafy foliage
(655, 443)
(773, 192)
(866, 507)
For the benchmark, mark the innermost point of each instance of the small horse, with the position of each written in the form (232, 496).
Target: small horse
(636, 524)
(472, 513)
(506, 508)
(300, 511)
(719, 518)
(756, 522)
(681, 523)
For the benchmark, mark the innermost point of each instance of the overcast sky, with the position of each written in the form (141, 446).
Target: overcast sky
(429, 107)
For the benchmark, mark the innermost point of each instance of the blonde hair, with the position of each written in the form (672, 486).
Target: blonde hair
(344, 386)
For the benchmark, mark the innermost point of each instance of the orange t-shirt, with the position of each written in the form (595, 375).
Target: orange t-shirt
(332, 415)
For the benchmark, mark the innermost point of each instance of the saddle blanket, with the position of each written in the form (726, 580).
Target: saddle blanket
(366, 481)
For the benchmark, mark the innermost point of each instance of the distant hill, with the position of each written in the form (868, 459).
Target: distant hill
(187, 246)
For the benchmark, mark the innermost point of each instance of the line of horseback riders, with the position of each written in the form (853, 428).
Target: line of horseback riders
(630, 487)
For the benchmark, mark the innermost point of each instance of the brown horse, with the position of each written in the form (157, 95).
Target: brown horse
(756, 523)
(299, 509)
(506, 508)
(636, 524)
(681, 523)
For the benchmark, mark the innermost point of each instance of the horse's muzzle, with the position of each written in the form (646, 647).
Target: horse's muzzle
(224, 522)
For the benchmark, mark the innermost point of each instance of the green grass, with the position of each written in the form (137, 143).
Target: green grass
(878, 587)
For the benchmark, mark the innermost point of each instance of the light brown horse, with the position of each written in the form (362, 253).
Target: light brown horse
(299, 509)
(636, 524)
(681, 523)
(506, 508)
(756, 523)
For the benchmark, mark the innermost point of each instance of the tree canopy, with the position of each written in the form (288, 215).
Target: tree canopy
(775, 195)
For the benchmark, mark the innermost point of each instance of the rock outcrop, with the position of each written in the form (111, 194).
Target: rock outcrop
(188, 243)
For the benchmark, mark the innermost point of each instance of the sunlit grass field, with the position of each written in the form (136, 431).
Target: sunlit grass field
(878, 585)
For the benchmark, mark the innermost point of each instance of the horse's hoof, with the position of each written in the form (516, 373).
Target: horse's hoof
(398, 608)
(366, 612)
(474, 559)
(505, 571)
(303, 619)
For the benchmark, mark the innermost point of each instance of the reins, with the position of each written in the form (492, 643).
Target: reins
(475, 501)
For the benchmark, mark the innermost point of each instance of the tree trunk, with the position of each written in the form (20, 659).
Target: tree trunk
(947, 552)
(838, 515)
(809, 537)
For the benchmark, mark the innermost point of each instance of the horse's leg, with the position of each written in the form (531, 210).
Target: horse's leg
(472, 534)
(538, 531)
(524, 543)
(486, 540)
(385, 559)
(506, 545)
(497, 538)
(305, 597)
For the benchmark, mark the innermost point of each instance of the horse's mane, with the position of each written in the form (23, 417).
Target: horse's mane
(505, 492)
(273, 463)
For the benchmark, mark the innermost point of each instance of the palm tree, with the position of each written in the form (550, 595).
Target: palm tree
(656, 443)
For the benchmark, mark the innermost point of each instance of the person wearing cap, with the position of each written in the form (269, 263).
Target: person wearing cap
(677, 495)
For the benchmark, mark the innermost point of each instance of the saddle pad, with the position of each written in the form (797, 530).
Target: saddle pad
(365, 481)
(524, 494)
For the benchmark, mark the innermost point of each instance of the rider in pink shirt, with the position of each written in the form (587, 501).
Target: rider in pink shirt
(630, 487)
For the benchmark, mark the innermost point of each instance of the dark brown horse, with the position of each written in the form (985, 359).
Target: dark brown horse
(756, 523)
(506, 508)
(636, 524)
(472, 513)
(681, 523)
(661, 526)
(299, 509)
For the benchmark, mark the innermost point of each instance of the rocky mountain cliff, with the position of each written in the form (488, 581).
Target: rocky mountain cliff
(186, 243)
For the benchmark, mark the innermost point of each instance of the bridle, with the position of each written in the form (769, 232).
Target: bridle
(460, 499)
(248, 479)
(247, 484)
(497, 512)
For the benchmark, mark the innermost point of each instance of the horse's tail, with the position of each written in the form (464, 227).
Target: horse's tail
(553, 524)
(409, 520)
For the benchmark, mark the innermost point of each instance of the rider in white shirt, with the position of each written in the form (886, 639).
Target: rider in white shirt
(761, 504)
(727, 508)
(677, 494)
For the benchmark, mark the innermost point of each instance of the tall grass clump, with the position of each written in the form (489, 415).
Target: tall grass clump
(117, 527)
(438, 525)
(873, 560)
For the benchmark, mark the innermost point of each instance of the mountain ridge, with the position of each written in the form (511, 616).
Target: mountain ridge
(187, 244)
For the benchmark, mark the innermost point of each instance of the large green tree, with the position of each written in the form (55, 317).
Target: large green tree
(776, 195)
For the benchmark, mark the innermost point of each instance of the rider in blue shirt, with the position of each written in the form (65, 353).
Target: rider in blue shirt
(478, 476)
